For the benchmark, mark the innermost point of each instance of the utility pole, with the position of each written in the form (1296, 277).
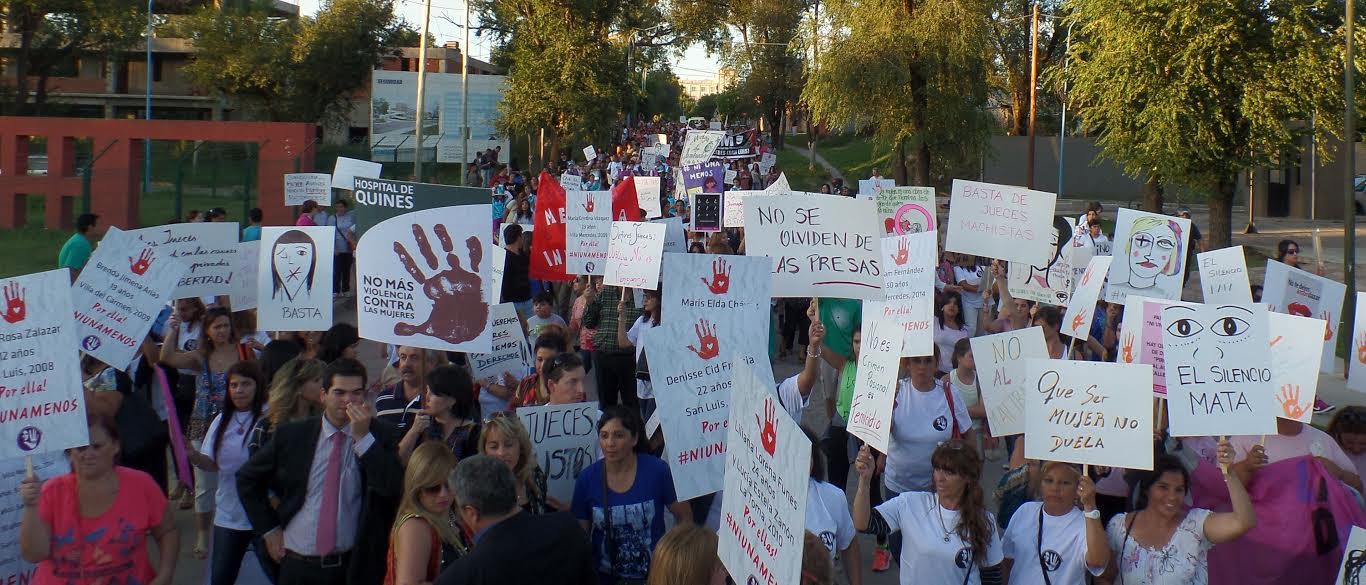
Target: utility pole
(1349, 223)
(465, 97)
(421, 88)
(1033, 91)
(147, 112)
(1062, 129)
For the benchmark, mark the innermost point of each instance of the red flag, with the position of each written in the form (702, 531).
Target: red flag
(547, 244)
(625, 204)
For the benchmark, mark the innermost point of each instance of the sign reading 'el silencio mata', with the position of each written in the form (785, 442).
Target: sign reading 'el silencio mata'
(1218, 362)
(1000, 221)
(40, 376)
(821, 245)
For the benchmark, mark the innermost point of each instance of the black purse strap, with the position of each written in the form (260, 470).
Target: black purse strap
(607, 541)
(1043, 568)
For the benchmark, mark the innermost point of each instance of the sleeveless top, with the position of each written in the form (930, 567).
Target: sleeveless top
(438, 557)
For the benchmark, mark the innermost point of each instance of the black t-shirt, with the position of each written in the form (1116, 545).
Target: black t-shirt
(516, 278)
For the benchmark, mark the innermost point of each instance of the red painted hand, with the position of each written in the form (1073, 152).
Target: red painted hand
(768, 430)
(902, 253)
(588, 205)
(459, 310)
(144, 261)
(707, 346)
(720, 277)
(15, 310)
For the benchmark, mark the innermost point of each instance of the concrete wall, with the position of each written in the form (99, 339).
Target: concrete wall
(1084, 177)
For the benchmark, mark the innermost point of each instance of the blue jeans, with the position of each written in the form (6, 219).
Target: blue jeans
(229, 548)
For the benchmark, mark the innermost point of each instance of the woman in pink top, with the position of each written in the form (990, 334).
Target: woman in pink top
(306, 213)
(90, 527)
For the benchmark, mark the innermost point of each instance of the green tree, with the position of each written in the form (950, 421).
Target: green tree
(913, 74)
(1010, 37)
(1195, 93)
(53, 34)
(663, 95)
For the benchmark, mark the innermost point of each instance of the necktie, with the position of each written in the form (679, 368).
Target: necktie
(327, 519)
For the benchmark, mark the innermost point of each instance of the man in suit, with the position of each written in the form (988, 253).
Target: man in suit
(510, 547)
(338, 479)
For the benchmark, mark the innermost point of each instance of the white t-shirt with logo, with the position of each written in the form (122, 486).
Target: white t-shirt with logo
(920, 422)
(827, 516)
(1063, 546)
(925, 556)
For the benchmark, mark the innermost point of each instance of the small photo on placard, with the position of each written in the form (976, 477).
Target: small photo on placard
(706, 215)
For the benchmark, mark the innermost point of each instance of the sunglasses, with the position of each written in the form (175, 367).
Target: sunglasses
(432, 490)
(1290, 252)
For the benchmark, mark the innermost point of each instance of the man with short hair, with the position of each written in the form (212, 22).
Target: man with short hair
(511, 547)
(252, 232)
(77, 250)
(400, 404)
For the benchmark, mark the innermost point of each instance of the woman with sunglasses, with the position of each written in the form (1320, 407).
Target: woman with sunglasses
(425, 538)
(505, 438)
(1162, 542)
(949, 537)
(1288, 253)
(1051, 542)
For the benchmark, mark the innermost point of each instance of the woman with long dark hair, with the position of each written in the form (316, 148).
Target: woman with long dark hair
(948, 535)
(949, 327)
(631, 337)
(450, 414)
(338, 342)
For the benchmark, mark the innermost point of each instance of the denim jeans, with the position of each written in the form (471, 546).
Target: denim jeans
(229, 548)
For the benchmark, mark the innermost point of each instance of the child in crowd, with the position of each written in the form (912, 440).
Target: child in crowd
(543, 315)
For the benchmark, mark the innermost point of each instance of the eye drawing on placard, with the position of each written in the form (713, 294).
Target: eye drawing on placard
(1153, 250)
(293, 260)
(1230, 325)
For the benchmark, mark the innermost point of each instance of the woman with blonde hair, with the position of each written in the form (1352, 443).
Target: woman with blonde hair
(687, 556)
(505, 439)
(425, 538)
(295, 393)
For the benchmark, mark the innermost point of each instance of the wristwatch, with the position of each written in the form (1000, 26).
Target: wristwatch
(1093, 514)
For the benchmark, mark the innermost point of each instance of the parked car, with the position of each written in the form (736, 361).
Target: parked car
(1359, 188)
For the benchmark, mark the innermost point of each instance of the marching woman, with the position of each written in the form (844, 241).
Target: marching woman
(948, 536)
(450, 414)
(424, 539)
(505, 439)
(827, 516)
(1164, 543)
(1052, 542)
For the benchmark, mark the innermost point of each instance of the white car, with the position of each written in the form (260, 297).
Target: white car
(1359, 192)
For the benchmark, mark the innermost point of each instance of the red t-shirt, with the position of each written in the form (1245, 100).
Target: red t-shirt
(108, 549)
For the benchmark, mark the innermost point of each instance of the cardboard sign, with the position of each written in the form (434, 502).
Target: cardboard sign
(294, 279)
(301, 187)
(909, 286)
(675, 238)
(590, 153)
(243, 294)
(870, 415)
(410, 295)
(1140, 337)
(564, 438)
(208, 251)
(821, 245)
(571, 182)
(1076, 322)
(1223, 276)
(1093, 413)
(768, 459)
(1047, 282)
(634, 253)
(588, 227)
(1353, 558)
(734, 214)
(118, 296)
(44, 408)
(1150, 256)
(730, 176)
(905, 210)
(1001, 373)
(1296, 292)
(647, 191)
(705, 177)
(1295, 348)
(347, 170)
(698, 146)
(1000, 221)
(871, 188)
(510, 354)
(732, 292)
(1356, 350)
(766, 162)
(1218, 362)
(381, 199)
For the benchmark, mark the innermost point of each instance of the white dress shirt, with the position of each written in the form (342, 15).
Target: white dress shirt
(301, 534)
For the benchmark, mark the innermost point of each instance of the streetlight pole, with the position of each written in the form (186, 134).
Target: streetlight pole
(1062, 129)
(147, 112)
(1349, 226)
(1033, 91)
(421, 88)
(465, 98)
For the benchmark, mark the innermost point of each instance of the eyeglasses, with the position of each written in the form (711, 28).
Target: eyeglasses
(1289, 252)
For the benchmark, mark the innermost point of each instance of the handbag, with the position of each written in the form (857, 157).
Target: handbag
(953, 416)
(642, 367)
(139, 426)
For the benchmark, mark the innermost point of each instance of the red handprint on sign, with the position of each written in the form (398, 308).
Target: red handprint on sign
(1076, 322)
(1290, 401)
(768, 428)
(459, 311)
(720, 277)
(1127, 350)
(707, 347)
(1085, 277)
(15, 310)
(144, 261)
(1328, 325)
(903, 252)
(1361, 347)
(588, 205)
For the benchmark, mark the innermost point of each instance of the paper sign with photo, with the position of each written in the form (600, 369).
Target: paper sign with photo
(1150, 256)
(1001, 221)
(1296, 292)
(1218, 362)
(1093, 413)
(1001, 373)
(294, 279)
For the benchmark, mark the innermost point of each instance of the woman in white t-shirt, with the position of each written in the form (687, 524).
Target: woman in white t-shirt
(949, 327)
(648, 319)
(948, 536)
(968, 275)
(922, 418)
(827, 516)
(1052, 542)
(1164, 543)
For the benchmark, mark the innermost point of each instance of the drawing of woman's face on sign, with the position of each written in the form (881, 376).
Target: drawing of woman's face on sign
(293, 261)
(1153, 249)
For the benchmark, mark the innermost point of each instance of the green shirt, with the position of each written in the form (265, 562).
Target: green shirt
(75, 252)
(845, 400)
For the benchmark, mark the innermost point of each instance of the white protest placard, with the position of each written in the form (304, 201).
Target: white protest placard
(1356, 351)
(1093, 413)
(870, 415)
(821, 245)
(731, 291)
(346, 170)
(675, 238)
(294, 279)
(1150, 252)
(906, 210)
(1000, 221)
(44, 408)
(766, 162)
(1295, 348)
(714, 125)
(698, 146)
(500, 259)
(571, 182)
(733, 214)
(1296, 292)
(647, 194)
(1048, 282)
(1218, 362)
(729, 177)
(510, 353)
(1223, 276)
(909, 286)
(301, 187)
(1081, 309)
(1001, 373)
(411, 296)
(564, 438)
(634, 253)
(588, 225)
(779, 186)
(590, 153)
(243, 293)
(208, 250)
(1353, 558)
(768, 459)
(13, 568)
(869, 188)
(119, 294)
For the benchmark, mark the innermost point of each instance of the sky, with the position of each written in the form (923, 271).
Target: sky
(695, 63)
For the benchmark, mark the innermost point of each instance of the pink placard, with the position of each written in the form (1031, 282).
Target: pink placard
(1152, 346)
